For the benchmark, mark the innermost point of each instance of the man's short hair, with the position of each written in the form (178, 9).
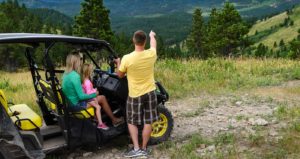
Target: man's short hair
(139, 38)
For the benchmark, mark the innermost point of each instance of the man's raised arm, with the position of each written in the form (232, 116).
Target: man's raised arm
(152, 39)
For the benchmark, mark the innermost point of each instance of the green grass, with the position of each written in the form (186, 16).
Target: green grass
(182, 78)
(267, 24)
(289, 144)
(186, 150)
(256, 139)
(240, 117)
(224, 138)
(224, 147)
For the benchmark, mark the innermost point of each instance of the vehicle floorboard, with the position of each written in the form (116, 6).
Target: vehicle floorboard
(50, 131)
(53, 144)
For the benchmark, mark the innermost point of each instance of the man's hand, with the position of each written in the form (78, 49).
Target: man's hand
(119, 73)
(117, 61)
(152, 34)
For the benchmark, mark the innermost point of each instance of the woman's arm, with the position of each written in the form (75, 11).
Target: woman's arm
(77, 85)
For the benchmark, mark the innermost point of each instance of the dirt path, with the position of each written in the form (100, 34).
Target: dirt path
(212, 114)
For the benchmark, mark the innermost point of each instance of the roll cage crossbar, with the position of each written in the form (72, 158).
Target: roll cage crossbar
(48, 40)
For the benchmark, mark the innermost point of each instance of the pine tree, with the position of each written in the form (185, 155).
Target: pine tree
(286, 21)
(226, 30)
(234, 28)
(196, 38)
(281, 43)
(294, 49)
(275, 44)
(261, 50)
(93, 21)
(213, 28)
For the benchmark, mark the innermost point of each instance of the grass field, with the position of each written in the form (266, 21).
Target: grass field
(267, 24)
(185, 78)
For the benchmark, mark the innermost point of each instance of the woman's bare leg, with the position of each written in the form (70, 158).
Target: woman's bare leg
(104, 104)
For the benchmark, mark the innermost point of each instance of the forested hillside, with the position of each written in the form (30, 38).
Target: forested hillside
(16, 18)
(170, 18)
(54, 19)
(220, 32)
(278, 35)
(283, 26)
(146, 7)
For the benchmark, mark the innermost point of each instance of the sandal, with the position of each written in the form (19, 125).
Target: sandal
(120, 122)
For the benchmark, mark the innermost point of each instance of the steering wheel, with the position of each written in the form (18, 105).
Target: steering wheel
(98, 77)
(111, 62)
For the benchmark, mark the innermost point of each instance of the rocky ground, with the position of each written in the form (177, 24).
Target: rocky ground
(243, 113)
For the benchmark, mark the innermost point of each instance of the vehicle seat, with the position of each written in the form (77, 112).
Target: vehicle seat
(21, 114)
(26, 118)
(49, 95)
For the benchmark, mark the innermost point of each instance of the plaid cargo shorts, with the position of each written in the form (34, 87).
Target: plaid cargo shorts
(142, 109)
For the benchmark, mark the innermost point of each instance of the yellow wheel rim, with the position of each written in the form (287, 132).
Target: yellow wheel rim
(159, 127)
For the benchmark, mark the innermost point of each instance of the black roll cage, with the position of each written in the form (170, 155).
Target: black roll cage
(49, 68)
(33, 41)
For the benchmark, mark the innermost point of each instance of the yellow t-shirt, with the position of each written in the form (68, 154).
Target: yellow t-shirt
(139, 67)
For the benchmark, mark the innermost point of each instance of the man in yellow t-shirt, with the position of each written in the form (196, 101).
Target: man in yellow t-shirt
(141, 108)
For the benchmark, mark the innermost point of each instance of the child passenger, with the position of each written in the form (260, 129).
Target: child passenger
(88, 88)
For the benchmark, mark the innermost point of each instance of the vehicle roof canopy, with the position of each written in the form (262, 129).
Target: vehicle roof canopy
(31, 38)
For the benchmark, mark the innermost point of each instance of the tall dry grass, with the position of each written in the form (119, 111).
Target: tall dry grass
(182, 77)
(19, 88)
(186, 77)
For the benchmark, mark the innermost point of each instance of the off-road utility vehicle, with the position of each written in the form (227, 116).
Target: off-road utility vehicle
(28, 134)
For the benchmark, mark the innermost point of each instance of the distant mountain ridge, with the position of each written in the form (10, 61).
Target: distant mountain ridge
(146, 7)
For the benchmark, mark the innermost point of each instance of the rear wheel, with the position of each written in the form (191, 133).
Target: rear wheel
(162, 128)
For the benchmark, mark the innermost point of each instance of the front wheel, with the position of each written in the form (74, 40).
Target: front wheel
(162, 128)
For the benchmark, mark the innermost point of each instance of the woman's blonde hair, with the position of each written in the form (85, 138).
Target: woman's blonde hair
(86, 71)
(73, 62)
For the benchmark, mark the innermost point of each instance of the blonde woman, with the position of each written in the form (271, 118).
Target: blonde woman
(76, 98)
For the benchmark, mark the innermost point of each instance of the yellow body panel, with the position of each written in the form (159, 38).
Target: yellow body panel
(25, 113)
(83, 114)
(53, 106)
(3, 100)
